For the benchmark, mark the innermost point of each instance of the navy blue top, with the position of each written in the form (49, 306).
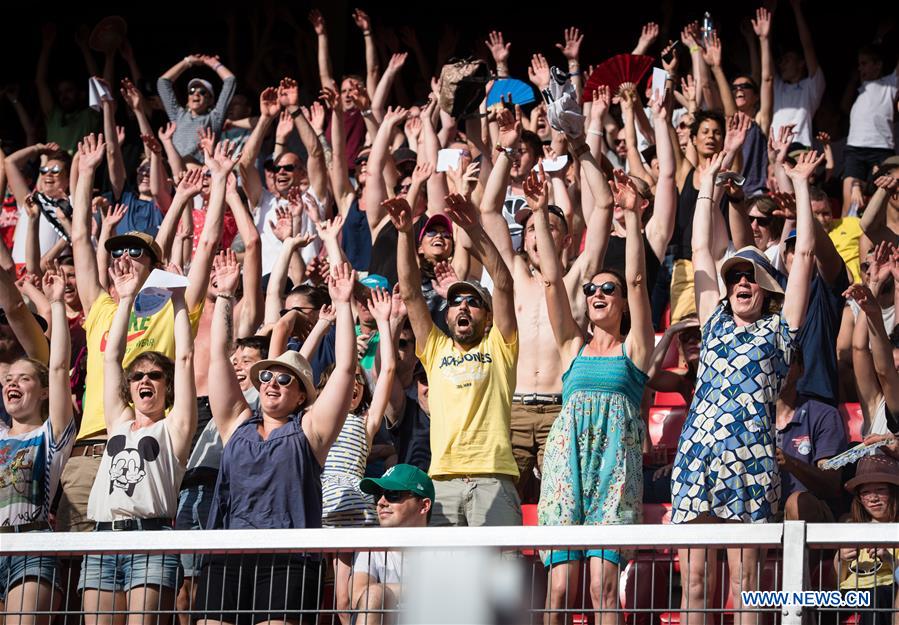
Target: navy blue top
(268, 484)
(142, 215)
(412, 436)
(818, 339)
(324, 356)
(815, 433)
(357, 238)
(755, 161)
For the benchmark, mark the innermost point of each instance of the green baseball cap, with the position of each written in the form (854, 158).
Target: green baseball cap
(401, 477)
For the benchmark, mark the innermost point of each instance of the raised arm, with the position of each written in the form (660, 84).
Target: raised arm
(176, 163)
(344, 194)
(315, 153)
(182, 418)
(325, 418)
(182, 203)
(229, 84)
(252, 301)
(571, 50)
(499, 50)
(880, 346)
(569, 337)
(796, 296)
(164, 85)
(465, 215)
(382, 91)
(60, 395)
(269, 108)
(324, 58)
(712, 56)
(274, 298)
(629, 100)
(648, 34)
(114, 162)
(380, 306)
(127, 282)
(874, 221)
(805, 37)
(375, 190)
(660, 226)
(495, 191)
(866, 382)
(229, 408)
(599, 219)
(705, 274)
(372, 68)
(91, 151)
(20, 320)
(762, 27)
(408, 272)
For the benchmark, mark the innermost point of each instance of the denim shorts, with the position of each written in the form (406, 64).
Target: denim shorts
(194, 504)
(125, 571)
(15, 569)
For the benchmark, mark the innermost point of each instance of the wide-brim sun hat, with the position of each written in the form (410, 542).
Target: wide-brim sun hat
(764, 271)
(293, 362)
(878, 468)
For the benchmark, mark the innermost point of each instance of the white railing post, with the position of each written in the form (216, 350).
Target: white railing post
(794, 568)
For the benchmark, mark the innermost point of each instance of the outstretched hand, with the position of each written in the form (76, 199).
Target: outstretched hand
(125, 277)
(536, 189)
(462, 212)
(54, 283)
(805, 166)
(91, 151)
(400, 213)
(341, 283)
(226, 272)
(379, 304)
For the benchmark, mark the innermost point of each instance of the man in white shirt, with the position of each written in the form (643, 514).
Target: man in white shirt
(404, 497)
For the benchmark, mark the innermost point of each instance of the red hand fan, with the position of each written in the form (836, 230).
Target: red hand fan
(619, 71)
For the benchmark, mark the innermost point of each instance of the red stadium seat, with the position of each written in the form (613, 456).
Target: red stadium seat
(853, 420)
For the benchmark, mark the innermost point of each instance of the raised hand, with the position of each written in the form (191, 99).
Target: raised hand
(360, 97)
(125, 277)
(864, 298)
(778, 145)
(536, 189)
(712, 53)
(398, 306)
(288, 92)
(205, 139)
(710, 171)
(670, 66)
(688, 87)
(538, 72)
(282, 225)
(329, 229)
(887, 183)
(91, 151)
(379, 304)
(54, 283)
(689, 36)
(685, 324)
(400, 213)
(422, 172)
(151, 143)
(444, 277)
(330, 97)
(762, 23)
(226, 270)
(394, 116)
(268, 103)
(315, 115)
(461, 211)
(223, 160)
(167, 132)
(823, 137)
(328, 314)
(572, 46)
(397, 61)
(602, 99)
(786, 205)
(648, 35)
(737, 127)
(881, 266)
(341, 283)
(31, 205)
(113, 215)
(317, 21)
(499, 49)
(624, 191)
(509, 129)
(660, 106)
(284, 127)
(362, 20)
(464, 181)
(805, 166)
(131, 94)
(191, 183)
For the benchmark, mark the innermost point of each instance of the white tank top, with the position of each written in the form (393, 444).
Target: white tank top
(139, 476)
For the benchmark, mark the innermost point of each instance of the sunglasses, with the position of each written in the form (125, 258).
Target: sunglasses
(137, 376)
(403, 343)
(133, 252)
(302, 309)
(283, 379)
(289, 168)
(56, 169)
(607, 288)
(737, 86)
(473, 301)
(735, 275)
(199, 90)
(683, 125)
(762, 221)
(443, 234)
(143, 170)
(396, 496)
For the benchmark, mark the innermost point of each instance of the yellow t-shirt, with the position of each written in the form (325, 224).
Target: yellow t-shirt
(155, 333)
(868, 572)
(470, 394)
(845, 234)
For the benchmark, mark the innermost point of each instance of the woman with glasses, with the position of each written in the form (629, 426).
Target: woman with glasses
(592, 468)
(343, 503)
(151, 413)
(725, 468)
(202, 110)
(270, 475)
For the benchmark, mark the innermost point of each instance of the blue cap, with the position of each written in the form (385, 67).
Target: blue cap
(374, 281)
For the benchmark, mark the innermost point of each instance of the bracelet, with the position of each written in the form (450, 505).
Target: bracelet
(217, 66)
(596, 133)
(507, 151)
(366, 33)
(281, 143)
(296, 113)
(367, 113)
(704, 197)
(694, 48)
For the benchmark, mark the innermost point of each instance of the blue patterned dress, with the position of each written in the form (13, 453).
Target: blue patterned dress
(343, 503)
(725, 463)
(593, 463)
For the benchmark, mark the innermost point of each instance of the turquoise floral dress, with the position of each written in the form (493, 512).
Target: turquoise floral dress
(593, 463)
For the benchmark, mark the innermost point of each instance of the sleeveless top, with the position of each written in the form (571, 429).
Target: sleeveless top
(682, 239)
(356, 238)
(604, 374)
(616, 255)
(268, 484)
(139, 475)
(755, 161)
(343, 502)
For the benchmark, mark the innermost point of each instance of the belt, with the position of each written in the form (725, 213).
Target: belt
(531, 399)
(91, 448)
(127, 525)
(35, 526)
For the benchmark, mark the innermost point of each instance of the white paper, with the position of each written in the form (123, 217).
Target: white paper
(553, 164)
(160, 279)
(659, 77)
(448, 159)
(98, 91)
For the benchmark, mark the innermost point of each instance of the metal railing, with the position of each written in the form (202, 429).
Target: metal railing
(462, 575)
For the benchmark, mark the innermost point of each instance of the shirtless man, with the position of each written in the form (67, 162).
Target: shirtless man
(538, 393)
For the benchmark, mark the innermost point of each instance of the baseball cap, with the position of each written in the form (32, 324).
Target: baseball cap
(135, 238)
(374, 281)
(400, 477)
(470, 285)
(202, 83)
(438, 219)
(404, 155)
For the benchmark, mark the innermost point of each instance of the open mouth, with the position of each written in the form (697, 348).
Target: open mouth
(463, 321)
(744, 296)
(241, 376)
(272, 394)
(145, 393)
(599, 305)
(13, 394)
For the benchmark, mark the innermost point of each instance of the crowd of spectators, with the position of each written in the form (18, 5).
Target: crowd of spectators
(340, 304)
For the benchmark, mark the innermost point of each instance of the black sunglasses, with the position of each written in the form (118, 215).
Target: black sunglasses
(762, 221)
(56, 169)
(133, 252)
(431, 233)
(283, 379)
(396, 496)
(143, 170)
(137, 376)
(607, 288)
(302, 309)
(289, 168)
(735, 275)
(199, 90)
(473, 301)
(742, 85)
(403, 343)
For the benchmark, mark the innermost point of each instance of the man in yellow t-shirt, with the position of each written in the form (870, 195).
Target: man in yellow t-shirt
(845, 232)
(471, 374)
(152, 333)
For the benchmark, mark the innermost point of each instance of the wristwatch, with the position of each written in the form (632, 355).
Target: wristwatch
(508, 151)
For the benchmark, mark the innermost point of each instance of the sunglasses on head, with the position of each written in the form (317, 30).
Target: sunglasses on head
(133, 252)
(735, 275)
(737, 86)
(302, 309)
(760, 220)
(473, 301)
(51, 170)
(283, 379)
(289, 168)
(137, 376)
(607, 288)
(199, 90)
(396, 496)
